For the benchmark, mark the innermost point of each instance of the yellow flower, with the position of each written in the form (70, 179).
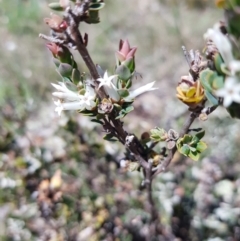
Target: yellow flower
(220, 3)
(189, 92)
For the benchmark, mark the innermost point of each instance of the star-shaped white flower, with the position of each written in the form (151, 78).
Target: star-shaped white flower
(139, 91)
(230, 92)
(109, 87)
(71, 100)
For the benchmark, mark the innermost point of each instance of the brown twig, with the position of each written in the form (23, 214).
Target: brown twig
(155, 217)
(115, 127)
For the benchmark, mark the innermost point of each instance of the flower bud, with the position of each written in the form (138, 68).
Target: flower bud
(189, 92)
(105, 106)
(56, 23)
(61, 53)
(125, 55)
(125, 52)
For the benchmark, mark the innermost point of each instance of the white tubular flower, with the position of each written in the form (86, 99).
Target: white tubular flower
(230, 92)
(71, 100)
(234, 66)
(221, 41)
(139, 91)
(108, 86)
(64, 92)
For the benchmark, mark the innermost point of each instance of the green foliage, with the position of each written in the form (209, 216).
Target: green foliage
(123, 72)
(76, 76)
(191, 146)
(96, 6)
(55, 6)
(110, 137)
(125, 109)
(65, 70)
(210, 82)
(158, 134)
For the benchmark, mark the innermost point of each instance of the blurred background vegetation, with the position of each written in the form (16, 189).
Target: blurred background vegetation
(60, 181)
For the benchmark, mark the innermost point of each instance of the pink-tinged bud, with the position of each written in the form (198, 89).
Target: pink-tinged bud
(54, 48)
(61, 53)
(125, 52)
(56, 23)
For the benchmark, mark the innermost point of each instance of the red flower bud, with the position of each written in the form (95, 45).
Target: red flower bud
(56, 23)
(54, 48)
(125, 52)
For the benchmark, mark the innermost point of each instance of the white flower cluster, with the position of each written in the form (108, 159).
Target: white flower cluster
(231, 90)
(72, 100)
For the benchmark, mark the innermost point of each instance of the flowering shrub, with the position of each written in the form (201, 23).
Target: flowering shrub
(212, 81)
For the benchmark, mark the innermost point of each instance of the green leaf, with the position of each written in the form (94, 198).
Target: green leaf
(194, 155)
(128, 84)
(73, 63)
(109, 137)
(120, 116)
(65, 70)
(155, 137)
(195, 140)
(123, 93)
(56, 62)
(76, 76)
(186, 138)
(212, 99)
(96, 1)
(129, 109)
(218, 61)
(87, 113)
(99, 116)
(93, 17)
(184, 150)
(117, 106)
(55, 6)
(125, 111)
(158, 132)
(225, 69)
(210, 80)
(96, 6)
(201, 146)
(200, 134)
(123, 72)
(218, 83)
(66, 80)
(192, 149)
(129, 63)
(97, 121)
(69, 84)
(205, 79)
